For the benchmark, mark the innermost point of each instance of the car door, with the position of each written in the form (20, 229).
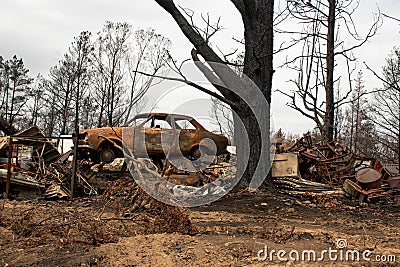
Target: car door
(189, 136)
(153, 137)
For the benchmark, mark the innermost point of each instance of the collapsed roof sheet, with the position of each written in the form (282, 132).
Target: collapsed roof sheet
(34, 137)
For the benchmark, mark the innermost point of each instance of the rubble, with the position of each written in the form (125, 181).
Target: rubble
(41, 146)
(327, 162)
(111, 206)
(130, 201)
(308, 167)
(302, 169)
(33, 162)
(21, 178)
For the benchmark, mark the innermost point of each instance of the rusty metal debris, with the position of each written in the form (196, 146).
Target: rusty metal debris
(32, 165)
(369, 178)
(323, 162)
(42, 146)
(372, 195)
(332, 169)
(353, 189)
(302, 169)
(51, 174)
(22, 179)
(390, 170)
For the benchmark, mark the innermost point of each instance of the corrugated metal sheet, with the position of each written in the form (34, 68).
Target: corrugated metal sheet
(20, 178)
(392, 168)
(50, 153)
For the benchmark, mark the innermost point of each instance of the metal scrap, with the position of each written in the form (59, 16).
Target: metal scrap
(298, 186)
(31, 163)
(353, 189)
(323, 162)
(34, 137)
(23, 179)
(394, 182)
(306, 166)
(369, 178)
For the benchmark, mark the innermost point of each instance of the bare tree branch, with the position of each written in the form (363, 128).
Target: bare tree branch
(192, 84)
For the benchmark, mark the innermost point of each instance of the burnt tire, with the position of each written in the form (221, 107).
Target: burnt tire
(197, 151)
(107, 155)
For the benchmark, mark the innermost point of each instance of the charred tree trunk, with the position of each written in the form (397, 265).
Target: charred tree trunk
(330, 65)
(258, 66)
(11, 120)
(249, 143)
(398, 132)
(257, 18)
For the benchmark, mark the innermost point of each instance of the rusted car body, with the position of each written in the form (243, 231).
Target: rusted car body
(154, 135)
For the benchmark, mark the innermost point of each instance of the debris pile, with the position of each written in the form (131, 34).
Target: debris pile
(312, 171)
(58, 177)
(328, 162)
(370, 187)
(196, 179)
(331, 169)
(131, 202)
(37, 168)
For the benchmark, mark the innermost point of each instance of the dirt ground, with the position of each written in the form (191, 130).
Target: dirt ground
(230, 232)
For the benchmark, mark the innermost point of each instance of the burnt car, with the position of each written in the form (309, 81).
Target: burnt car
(160, 132)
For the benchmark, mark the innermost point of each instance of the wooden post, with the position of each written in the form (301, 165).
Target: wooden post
(74, 165)
(10, 156)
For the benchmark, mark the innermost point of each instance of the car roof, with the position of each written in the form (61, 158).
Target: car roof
(162, 116)
(165, 116)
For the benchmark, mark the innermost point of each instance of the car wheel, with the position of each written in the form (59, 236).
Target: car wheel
(195, 153)
(107, 155)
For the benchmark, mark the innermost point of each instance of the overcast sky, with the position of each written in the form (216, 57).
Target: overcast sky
(40, 31)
